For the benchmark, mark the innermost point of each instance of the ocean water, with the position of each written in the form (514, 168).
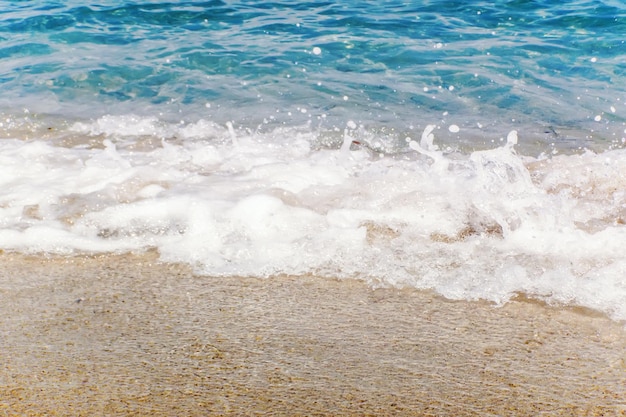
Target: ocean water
(472, 148)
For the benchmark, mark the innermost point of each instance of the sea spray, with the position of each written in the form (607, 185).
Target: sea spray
(490, 224)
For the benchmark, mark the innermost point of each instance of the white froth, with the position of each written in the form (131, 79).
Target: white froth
(488, 225)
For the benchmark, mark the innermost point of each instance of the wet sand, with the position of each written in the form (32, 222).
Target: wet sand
(126, 335)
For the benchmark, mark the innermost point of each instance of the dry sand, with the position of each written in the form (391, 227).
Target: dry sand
(125, 335)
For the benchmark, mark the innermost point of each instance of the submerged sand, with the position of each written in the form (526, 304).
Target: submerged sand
(126, 335)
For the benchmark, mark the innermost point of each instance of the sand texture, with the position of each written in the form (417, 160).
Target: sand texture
(126, 335)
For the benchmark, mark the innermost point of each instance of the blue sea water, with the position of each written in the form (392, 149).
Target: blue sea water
(539, 65)
(471, 148)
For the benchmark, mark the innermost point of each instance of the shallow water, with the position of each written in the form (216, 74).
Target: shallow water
(475, 150)
(126, 335)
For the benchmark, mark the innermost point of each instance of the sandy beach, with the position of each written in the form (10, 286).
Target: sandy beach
(127, 335)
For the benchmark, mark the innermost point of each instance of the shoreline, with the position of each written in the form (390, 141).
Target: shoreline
(128, 335)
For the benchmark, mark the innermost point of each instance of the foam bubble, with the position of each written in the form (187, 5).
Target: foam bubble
(488, 224)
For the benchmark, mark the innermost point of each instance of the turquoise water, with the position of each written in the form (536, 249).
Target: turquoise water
(546, 67)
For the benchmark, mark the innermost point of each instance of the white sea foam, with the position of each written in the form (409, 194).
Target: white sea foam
(487, 225)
